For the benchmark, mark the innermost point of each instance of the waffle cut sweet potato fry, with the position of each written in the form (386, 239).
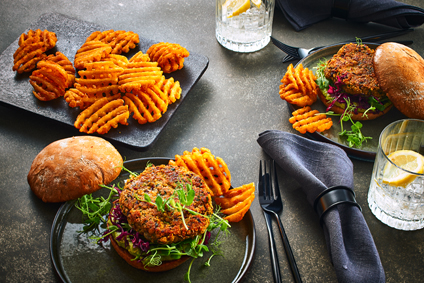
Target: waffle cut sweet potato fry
(307, 120)
(32, 48)
(99, 79)
(170, 88)
(147, 104)
(102, 115)
(91, 51)
(63, 61)
(138, 75)
(213, 170)
(170, 56)
(76, 98)
(49, 80)
(49, 38)
(139, 57)
(121, 41)
(236, 202)
(298, 86)
(119, 60)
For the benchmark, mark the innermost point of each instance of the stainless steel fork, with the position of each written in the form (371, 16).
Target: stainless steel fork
(272, 205)
(295, 52)
(299, 53)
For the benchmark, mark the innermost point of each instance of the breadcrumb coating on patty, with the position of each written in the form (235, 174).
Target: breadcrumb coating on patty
(353, 66)
(165, 227)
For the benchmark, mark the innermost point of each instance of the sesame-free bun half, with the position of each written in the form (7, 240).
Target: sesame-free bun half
(400, 73)
(70, 168)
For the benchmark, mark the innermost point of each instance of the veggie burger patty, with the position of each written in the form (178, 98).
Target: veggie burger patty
(353, 65)
(167, 226)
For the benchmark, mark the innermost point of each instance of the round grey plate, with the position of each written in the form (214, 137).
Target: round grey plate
(370, 128)
(76, 258)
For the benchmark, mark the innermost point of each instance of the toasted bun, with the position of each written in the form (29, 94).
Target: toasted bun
(166, 265)
(359, 116)
(70, 168)
(400, 73)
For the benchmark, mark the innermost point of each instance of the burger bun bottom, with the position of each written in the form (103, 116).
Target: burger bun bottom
(166, 265)
(359, 116)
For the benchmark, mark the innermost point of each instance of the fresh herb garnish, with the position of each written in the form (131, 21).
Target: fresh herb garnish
(187, 275)
(375, 104)
(95, 210)
(321, 81)
(354, 136)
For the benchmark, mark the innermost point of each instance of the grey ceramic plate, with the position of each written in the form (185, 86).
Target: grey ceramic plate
(371, 128)
(16, 91)
(78, 259)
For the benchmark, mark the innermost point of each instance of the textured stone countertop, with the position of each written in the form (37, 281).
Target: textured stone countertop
(235, 100)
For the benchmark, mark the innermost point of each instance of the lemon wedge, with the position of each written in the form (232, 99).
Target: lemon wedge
(405, 159)
(236, 6)
(257, 3)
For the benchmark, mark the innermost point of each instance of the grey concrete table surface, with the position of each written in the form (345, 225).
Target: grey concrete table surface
(235, 100)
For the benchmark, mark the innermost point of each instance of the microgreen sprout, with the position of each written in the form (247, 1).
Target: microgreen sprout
(354, 136)
(94, 210)
(130, 172)
(321, 81)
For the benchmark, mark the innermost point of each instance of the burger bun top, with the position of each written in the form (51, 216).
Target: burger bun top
(70, 168)
(400, 74)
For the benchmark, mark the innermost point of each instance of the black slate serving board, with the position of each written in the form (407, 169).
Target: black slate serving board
(16, 91)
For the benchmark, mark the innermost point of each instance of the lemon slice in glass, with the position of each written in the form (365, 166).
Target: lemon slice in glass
(257, 3)
(237, 6)
(405, 159)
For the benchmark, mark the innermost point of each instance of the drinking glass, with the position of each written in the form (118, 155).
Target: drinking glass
(396, 194)
(244, 25)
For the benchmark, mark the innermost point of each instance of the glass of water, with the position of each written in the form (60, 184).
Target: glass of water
(244, 25)
(396, 193)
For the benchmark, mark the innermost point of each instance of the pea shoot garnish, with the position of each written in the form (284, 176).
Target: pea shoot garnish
(354, 137)
(95, 210)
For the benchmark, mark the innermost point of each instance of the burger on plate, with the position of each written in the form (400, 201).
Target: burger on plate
(162, 218)
(348, 83)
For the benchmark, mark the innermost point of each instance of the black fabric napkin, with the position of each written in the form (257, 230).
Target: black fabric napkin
(317, 166)
(302, 14)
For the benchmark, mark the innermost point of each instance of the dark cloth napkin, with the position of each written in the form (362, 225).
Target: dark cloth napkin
(302, 14)
(317, 166)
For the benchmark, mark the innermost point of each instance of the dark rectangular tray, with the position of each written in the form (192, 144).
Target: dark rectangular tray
(16, 91)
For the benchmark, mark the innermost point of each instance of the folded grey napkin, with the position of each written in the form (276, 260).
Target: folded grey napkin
(318, 166)
(302, 14)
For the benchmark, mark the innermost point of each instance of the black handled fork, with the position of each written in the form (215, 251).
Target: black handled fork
(271, 203)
